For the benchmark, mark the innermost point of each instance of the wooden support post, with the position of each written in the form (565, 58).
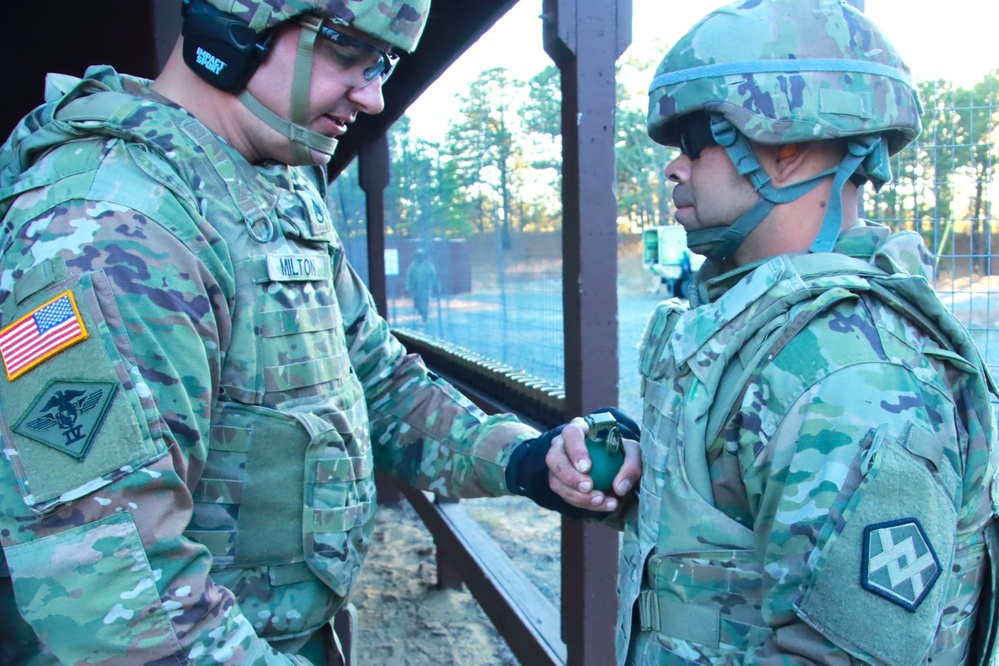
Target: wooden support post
(373, 175)
(585, 38)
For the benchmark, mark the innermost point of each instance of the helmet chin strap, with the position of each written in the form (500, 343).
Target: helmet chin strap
(303, 140)
(867, 157)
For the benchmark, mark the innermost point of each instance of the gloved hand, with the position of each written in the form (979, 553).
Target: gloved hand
(629, 429)
(543, 469)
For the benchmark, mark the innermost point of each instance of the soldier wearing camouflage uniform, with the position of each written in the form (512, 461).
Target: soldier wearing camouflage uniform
(421, 283)
(199, 387)
(817, 439)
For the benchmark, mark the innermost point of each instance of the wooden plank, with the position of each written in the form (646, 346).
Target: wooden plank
(526, 619)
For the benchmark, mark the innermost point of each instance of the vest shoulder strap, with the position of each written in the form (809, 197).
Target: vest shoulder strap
(738, 377)
(203, 151)
(99, 107)
(901, 292)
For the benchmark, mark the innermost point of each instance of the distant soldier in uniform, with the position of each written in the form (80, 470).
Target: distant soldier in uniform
(198, 387)
(818, 441)
(421, 283)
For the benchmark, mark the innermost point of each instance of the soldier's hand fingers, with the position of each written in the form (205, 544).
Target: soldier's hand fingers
(631, 470)
(574, 440)
(561, 470)
(564, 477)
(593, 500)
(568, 460)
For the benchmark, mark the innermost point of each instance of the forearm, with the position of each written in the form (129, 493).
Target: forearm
(423, 431)
(427, 434)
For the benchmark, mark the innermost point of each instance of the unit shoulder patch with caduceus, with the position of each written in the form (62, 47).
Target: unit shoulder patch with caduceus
(67, 415)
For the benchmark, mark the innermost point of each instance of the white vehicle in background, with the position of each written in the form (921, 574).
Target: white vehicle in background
(666, 256)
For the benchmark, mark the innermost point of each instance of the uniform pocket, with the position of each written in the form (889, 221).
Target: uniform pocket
(701, 624)
(712, 575)
(65, 584)
(710, 600)
(339, 504)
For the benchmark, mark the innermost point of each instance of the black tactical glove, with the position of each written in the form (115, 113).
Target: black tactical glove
(527, 472)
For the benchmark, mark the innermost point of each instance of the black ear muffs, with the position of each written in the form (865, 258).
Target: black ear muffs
(221, 49)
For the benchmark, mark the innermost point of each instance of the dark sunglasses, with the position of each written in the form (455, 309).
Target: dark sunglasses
(382, 68)
(695, 135)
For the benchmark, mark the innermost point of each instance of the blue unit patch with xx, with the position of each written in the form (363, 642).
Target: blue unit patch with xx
(899, 562)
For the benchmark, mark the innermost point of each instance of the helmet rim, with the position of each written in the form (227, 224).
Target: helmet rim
(805, 70)
(399, 23)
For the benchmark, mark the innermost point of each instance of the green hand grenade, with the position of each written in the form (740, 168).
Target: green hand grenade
(603, 441)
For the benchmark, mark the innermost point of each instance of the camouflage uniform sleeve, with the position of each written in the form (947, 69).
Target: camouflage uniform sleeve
(94, 542)
(423, 431)
(856, 436)
(790, 503)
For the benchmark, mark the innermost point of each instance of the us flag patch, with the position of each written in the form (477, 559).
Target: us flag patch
(41, 334)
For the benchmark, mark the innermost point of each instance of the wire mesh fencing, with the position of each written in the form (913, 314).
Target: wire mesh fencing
(498, 291)
(945, 188)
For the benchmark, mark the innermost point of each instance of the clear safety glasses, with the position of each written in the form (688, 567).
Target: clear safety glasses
(351, 52)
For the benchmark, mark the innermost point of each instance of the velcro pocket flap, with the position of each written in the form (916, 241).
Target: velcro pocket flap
(891, 562)
(89, 592)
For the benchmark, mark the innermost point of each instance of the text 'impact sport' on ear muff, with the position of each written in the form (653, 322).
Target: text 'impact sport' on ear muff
(221, 49)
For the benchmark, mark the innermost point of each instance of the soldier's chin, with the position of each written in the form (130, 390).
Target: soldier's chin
(320, 158)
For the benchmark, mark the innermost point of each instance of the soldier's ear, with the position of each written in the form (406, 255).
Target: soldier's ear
(789, 162)
(788, 151)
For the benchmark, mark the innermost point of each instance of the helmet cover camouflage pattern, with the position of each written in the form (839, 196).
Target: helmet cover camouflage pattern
(398, 22)
(787, 71)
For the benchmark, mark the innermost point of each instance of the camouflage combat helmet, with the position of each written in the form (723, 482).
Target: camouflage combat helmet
(787, 71)
(397, 22)
(225, 40)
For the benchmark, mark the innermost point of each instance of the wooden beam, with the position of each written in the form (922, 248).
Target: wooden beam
(522, 615)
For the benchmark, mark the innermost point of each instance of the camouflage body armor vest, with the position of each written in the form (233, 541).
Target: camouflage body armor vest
(287, 495)
(691, 583)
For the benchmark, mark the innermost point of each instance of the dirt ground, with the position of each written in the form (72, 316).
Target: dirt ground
(404, 620)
